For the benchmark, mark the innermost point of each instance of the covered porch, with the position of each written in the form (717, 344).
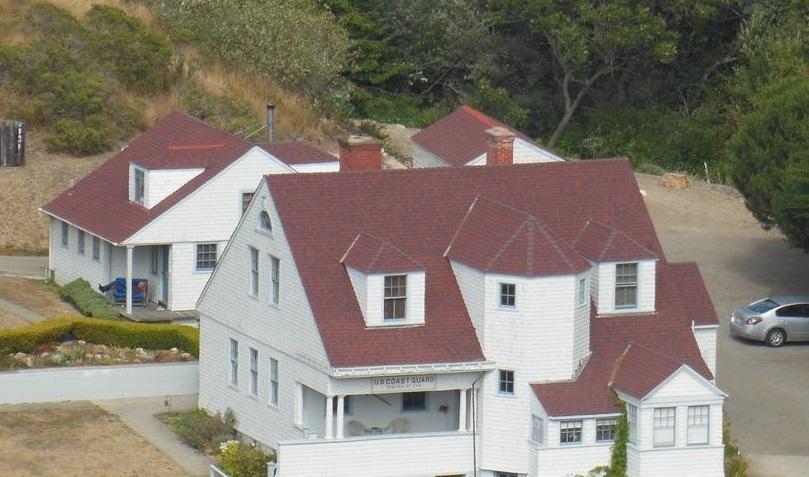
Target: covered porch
(148, 268)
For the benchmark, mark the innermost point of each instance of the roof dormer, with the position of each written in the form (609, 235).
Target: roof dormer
(624, 271)
(148, 187)
(389, 284)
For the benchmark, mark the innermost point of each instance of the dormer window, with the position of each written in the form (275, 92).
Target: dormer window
(264, 223)
(508, 295)
(395, 297)
(139, 192)
(626, 285)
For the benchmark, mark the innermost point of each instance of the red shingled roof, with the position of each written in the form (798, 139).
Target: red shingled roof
(420, 211)
(298, 152)
(100, 203)
(494, 237)
(667, 331)
(602, 243)
(640, 370)
(370, 255)
(460, 136)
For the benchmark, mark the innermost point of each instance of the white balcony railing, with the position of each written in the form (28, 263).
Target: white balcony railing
(389, 454)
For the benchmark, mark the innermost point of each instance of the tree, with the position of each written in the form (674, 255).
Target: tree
(770, 153)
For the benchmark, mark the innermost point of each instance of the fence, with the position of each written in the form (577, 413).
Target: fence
(12, 143)
(98, 382)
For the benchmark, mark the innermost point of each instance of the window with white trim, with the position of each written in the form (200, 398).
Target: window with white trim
(581, 292)
(65, 234)
(206, 257)
(96, 248)
(632, 422)
(254, 271)
(80, 241)
(506, 384)
(273, 381)
(605, 429)
(698, 419)
(570, 432)
(246, 198)
(275, 279)
(253, 372)
(234, 362)
(139, 193)
(508, 295)
(264, 222)
(626, 285)
(536, 429)
(395, 297)
(664, 418)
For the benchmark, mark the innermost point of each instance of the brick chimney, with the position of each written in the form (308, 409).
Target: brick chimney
(500, 151)
(360, 153)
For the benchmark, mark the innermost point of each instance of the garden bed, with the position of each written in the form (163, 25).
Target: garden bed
(82, 353)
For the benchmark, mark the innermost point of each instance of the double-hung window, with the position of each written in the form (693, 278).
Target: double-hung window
(632, 422)
(570, 432)
(698, 424)
(414, 401)
(273, 381)
(605, 429)
(80, 241)
(395, 297)
(234, 362)
(626, 285)
(581, 292)
(253, 372)
(65, 234)
(506, 384)
(206, 257)
(246, 198)
(664, 426)
(275, 279)
(140, 186)
(536, 429)
(96, 248)
(253, 271)
(508, 295)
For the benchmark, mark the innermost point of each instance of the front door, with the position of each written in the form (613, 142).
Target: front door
(164, 275)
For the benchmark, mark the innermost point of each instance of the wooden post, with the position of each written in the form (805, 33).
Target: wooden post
(129, 251)
(329, 417)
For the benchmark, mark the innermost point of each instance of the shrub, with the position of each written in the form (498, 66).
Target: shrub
(111, 333)
(735, 462)
(80, 293)
(202, 430)
(223, 112)
(241, 460)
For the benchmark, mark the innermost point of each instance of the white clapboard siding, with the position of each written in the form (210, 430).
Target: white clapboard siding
(606, 288)
(706, 340)
(424, 158)
(163, 182)
(524, 153)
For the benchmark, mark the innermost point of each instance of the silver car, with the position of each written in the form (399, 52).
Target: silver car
(774, 320)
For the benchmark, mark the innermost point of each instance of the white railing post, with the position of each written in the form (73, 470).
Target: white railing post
(129, 251)
(329, 417)
(462, 409)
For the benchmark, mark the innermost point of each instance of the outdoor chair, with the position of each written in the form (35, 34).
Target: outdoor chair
(356, 428)
(140, 291)
(399, 425)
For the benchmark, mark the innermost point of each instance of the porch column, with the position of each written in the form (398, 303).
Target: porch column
(329, 417)
(462, 410)
(129, 250)
(340, 415)
(298, 404)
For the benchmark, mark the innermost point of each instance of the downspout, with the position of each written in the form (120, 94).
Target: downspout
(474, 399)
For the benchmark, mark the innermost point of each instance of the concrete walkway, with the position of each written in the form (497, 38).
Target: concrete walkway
(20, 311)
(23, 266)
(139, 414)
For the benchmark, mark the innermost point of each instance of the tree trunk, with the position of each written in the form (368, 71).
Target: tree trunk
(571, 105)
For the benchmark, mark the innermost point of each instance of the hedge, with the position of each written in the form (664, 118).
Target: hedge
(111, 333)
(87, 300)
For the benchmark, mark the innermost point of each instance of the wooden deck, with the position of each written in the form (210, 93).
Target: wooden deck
(151, 313)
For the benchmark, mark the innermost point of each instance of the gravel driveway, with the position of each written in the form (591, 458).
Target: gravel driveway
(769, 388)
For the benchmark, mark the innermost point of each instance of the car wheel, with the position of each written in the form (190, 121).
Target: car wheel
(776, 337)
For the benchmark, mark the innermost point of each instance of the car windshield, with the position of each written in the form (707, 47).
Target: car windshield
(763, 306)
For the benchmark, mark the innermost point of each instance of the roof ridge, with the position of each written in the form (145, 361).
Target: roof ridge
(507, 244)
(554, 241)
(615, 230)
(378, 253)
(481, 116)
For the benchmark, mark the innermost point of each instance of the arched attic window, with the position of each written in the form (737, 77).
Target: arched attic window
(264, 222)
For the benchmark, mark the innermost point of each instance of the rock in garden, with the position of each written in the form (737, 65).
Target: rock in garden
(174, 350)
(185, 355)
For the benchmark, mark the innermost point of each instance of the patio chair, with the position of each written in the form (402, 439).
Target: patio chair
(140, 291)
(399, 425)
(356, 428)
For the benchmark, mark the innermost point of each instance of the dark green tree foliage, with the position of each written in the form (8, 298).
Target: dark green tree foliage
(140, 58)
(617, 466)
(770, 154)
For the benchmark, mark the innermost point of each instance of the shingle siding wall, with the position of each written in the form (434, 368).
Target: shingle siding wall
(581, 325)
(471, 284)
(697, 462)
(572, 460)
(69, 265)
(424, 158)
(162, 182)
(706, 340)
(186, 282)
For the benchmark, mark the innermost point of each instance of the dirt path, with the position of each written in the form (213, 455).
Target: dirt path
(24, 301)
(740, 262)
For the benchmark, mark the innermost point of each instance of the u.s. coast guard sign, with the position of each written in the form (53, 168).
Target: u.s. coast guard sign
(403, 383)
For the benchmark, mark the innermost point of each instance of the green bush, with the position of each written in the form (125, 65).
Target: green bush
(223, 112)
(735, 462)
(202, 430)
(80, 293)
(111, 333)
(241, 460)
